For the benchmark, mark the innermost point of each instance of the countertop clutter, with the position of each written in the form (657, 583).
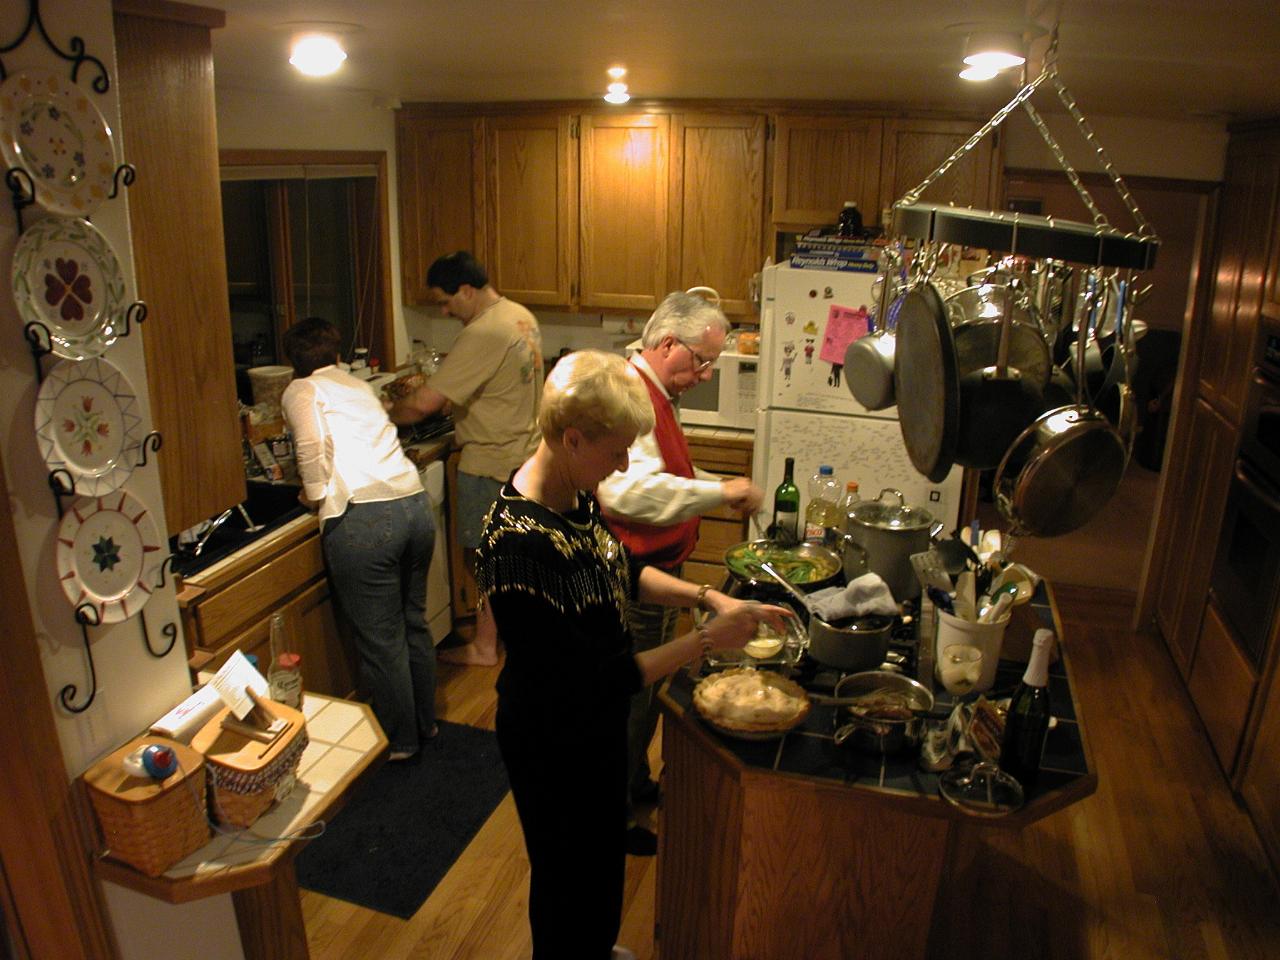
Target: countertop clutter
(870, 830)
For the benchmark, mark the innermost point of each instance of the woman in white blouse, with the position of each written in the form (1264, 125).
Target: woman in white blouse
(376, 529)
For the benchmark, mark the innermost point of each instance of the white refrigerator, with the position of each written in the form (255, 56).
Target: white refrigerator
(806, 410)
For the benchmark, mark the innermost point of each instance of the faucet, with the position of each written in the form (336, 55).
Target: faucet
(222, 518)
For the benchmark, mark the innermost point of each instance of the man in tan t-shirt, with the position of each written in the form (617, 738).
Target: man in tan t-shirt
(492, 379)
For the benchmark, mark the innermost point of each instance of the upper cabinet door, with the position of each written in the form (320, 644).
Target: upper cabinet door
(717, 204)
(531, 207)
(913, 149)
(623, 210)
(441, 185)
(167, 106)
(821, 162)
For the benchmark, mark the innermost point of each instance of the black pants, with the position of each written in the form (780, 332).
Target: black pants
(570, 792)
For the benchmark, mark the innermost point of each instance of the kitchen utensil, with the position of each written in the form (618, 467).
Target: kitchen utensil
(809, 566)
(941, 599)
(1064, 467)
(983, 790)
(967, 596)
(784, 583)
(863, 730)
(956, 555)
(929, 571)
(997, 402)
(869, 360)
(860, 643)
(926, 383)
(881, 537)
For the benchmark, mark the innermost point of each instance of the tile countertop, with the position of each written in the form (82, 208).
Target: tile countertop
(345, 743)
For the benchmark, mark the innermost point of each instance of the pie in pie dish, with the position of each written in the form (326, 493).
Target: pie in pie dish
(749, 702)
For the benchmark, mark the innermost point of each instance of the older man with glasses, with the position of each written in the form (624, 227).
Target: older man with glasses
(654, 506)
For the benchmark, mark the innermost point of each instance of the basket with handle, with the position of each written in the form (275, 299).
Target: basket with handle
(246, 774)
(147, 823)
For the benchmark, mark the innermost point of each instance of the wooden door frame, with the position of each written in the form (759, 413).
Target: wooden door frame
(46, 838)
(382, 332)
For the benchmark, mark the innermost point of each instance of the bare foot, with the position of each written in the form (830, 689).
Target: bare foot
(468, 655)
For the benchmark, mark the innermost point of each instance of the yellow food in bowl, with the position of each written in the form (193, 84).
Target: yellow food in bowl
(763, 647)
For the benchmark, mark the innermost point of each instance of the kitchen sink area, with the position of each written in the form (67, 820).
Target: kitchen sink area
(267, 507)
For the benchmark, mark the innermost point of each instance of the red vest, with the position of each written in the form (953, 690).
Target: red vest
(662, 547)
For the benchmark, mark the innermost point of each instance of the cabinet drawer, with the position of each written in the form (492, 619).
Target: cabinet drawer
(1221, 685)
(264, 588)
(732, 460)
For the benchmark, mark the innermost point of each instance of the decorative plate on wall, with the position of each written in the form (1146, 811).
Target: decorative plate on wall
(52, 129)
(87, 423)
(67, 278)
(107, 553)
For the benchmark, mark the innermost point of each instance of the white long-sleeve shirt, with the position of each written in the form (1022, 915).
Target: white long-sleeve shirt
(345, 445)
(645, 492)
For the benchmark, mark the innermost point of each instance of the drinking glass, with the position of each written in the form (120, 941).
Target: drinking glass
(959, 668)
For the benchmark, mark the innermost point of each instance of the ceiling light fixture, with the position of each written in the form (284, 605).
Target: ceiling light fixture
(617, 89)
(317, 55)
(987, 52)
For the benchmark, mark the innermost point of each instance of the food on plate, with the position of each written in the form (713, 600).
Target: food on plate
(751, 701)
(882, 704)
(792, 563)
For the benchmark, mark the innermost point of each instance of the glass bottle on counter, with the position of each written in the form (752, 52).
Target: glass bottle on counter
(823, 510)
(1027, 723)
(284, 678)
(850, 500)
(786, 506)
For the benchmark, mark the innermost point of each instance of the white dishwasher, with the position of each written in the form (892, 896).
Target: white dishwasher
(439, 596)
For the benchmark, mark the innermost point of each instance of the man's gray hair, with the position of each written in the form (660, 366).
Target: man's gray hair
(685, 316)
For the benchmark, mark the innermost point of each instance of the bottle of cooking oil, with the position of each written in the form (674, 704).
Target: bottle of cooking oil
(823, 511)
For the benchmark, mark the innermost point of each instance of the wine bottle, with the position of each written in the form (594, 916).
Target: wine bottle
(786, 506)
(1027, 725)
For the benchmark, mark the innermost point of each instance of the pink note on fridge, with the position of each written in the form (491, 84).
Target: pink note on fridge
(844, 325)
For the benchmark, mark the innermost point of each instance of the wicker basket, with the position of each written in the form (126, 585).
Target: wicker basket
(246, 776)
(150, 824)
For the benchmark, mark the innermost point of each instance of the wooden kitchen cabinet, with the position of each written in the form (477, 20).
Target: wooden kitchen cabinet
(819, 162)
(721, 528)
(717, 204)
(1246, 251)
(1221, 683)
(1199, 483)
(531, 208)
(1260, 779)
(912, 149)
(463, 584)
(441, 186)
(164, 57)
(623, 204)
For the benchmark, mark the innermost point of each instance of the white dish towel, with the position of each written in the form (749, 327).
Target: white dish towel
(865, 595)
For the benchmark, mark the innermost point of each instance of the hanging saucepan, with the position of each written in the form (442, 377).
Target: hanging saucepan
(1064, 467)
(997, 402)
(868, 361)
(976, 313)
(926, 383)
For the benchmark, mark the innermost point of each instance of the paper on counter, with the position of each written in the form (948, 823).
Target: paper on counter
(185, 720)
(234, 679)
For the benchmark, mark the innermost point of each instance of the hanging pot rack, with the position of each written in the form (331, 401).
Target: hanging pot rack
(1021, 234)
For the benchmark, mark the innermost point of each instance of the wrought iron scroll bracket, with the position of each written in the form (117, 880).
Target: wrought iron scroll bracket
(77, 57)
(169, 630)
(136, 314)
(87, 616)
(152, 441)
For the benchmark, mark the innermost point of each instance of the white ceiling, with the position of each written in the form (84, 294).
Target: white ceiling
(1203, 59)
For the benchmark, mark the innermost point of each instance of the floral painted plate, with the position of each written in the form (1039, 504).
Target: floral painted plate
(87, 423)
(66, 277)
(52, 129)
(106, 553)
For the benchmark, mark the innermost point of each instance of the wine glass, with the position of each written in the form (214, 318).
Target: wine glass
(959, 668)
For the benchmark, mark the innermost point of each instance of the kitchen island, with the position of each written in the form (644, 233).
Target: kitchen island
(794, 848)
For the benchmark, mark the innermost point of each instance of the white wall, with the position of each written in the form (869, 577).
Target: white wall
(133, 687)
(331, 120)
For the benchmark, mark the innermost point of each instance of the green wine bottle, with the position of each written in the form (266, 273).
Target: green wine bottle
(786, 506)
(1027, 724)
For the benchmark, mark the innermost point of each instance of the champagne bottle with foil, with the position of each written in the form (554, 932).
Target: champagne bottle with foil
(1027, 724)
(786, 506)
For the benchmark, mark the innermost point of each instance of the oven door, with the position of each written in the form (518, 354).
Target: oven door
(1246, 570)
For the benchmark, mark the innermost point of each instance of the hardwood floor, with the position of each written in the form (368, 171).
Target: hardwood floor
(1161, 862)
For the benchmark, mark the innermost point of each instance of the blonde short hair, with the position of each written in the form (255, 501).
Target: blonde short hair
(597, 393)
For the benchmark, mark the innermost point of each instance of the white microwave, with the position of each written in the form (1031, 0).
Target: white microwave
(728, 399)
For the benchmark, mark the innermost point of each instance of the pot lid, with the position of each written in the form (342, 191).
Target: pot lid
(890, 516)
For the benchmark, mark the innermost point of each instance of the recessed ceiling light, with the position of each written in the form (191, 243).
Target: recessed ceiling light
(317, 55)
(977, 73)
(617, 96)
(617, 73)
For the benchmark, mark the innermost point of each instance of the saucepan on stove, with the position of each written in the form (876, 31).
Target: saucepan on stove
(806, 566)
(881, 712)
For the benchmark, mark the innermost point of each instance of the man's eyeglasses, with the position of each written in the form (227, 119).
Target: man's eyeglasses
(700, 362)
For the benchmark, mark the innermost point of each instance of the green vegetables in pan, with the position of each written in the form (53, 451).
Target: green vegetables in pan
(744, 561)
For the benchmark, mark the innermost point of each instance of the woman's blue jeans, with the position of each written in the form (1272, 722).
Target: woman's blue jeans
(378, 554)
